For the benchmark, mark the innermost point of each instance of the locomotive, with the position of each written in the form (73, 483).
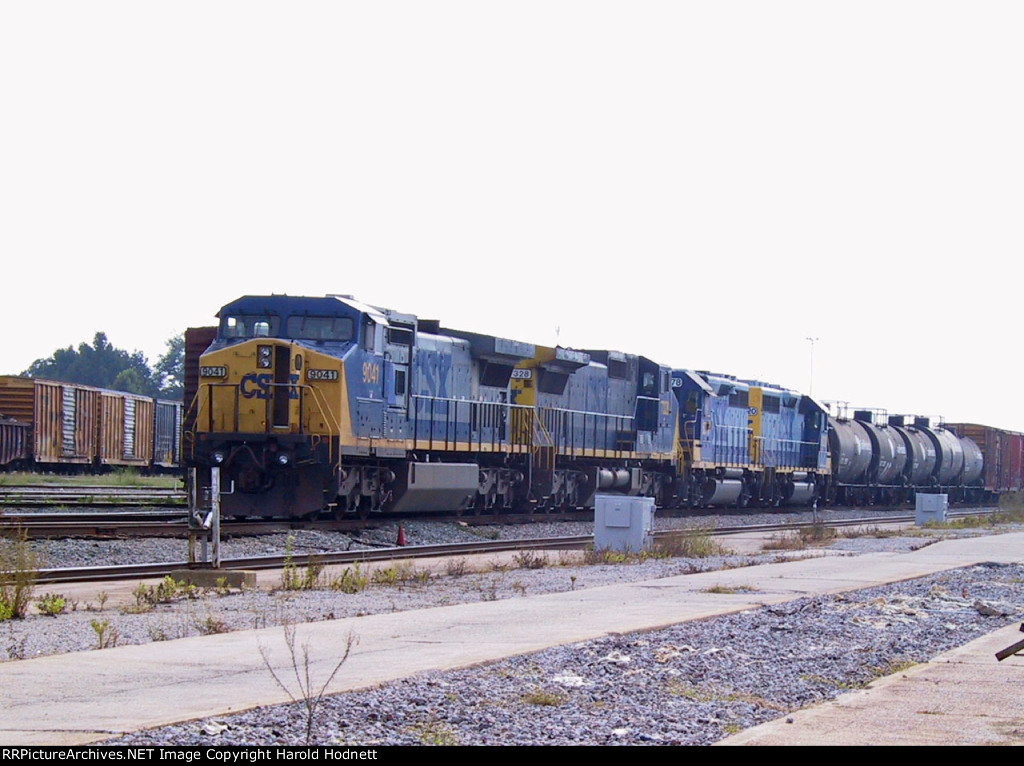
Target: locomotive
(326, 404)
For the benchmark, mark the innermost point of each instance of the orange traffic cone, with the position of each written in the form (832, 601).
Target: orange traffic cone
(401, 536)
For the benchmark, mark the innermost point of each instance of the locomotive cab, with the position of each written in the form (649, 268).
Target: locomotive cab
(270, 405)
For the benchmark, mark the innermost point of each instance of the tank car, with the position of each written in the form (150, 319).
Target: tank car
(880, 459)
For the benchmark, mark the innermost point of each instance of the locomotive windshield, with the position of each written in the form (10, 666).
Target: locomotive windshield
(296, 327)
(320, 328)
(249, 326)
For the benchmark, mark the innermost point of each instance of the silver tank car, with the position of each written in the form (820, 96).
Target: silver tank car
(889, 453)
(949, 461)
(974, 463)
(920, 455)
(850, 445)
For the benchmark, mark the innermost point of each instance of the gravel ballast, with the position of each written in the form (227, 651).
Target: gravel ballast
(693, 683)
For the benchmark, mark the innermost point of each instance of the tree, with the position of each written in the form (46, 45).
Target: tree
(169, 372)
(101, 365)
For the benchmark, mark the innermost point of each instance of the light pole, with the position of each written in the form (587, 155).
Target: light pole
(810, 386)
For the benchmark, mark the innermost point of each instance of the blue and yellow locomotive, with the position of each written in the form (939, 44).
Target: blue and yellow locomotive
(314, 404)
(746, 442)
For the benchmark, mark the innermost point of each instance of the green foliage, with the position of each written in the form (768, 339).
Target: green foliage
(299, 578)
(106, 636)
(399, 574)
(147, 597)
(351, 580)
(51, 604)
(527, 559)
(169, 371)
(695, 542)
(435, 733)
(19, 569)
(544, 698)
(105, 366)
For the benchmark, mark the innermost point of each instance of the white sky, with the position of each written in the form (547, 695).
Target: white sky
(704, 183)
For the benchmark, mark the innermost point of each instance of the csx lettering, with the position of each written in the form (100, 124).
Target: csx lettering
(371, 372)
(259, 385)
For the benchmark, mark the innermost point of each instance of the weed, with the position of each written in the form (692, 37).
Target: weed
(486, 533)
(872, 531)
(817, 534)
(529, 559)
(543, 697)
(19, 570)
(696, 542)
(456, 567)
(16, 646)
(106, 636)
(351, 580)
(729, 589)
(790, 541)
(893, 667)
(401, 573)
(434, 733)
(51, 604)
(605, 556)
(519, 588)
(388, 576)
(147, 597)
(296, 578)
(211, 625)
(306, 692)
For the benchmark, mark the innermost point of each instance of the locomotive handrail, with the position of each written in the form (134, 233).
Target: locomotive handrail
(776, 448)
(449, 419)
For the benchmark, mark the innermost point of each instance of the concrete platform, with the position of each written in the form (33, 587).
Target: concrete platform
(962, 697)
(91, 696)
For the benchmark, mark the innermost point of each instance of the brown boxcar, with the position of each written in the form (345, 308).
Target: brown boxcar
(62, 416)
(125, 429)
(1003, 453)
(14, 440)
(167, 434)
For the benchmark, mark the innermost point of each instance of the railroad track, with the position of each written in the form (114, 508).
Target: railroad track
(572, 542)
(89, 496)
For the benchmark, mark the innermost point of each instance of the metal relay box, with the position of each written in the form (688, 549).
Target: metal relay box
(623, 523)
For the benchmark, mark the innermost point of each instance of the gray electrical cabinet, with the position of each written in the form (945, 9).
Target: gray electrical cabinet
(623, 523)
(930, 508)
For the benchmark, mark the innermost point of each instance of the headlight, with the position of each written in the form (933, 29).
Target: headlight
(265, 357)
(283, 458)
(218, 457)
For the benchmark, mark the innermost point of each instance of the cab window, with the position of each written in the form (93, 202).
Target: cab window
(249, 326)
(320, 328)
